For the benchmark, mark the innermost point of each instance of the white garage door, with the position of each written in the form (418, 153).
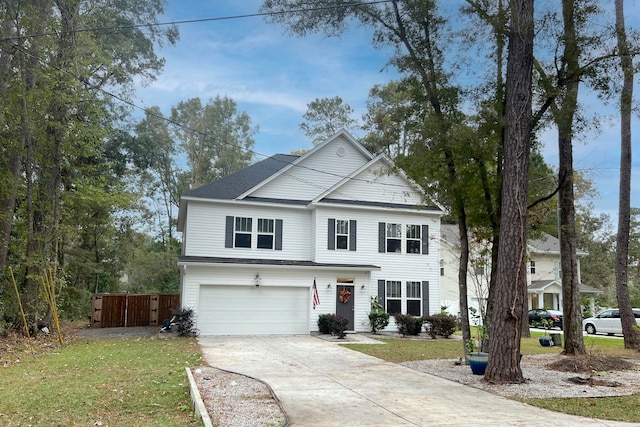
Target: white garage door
(244, 310)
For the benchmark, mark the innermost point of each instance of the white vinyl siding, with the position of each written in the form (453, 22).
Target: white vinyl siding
(206, 228)
(325, 166)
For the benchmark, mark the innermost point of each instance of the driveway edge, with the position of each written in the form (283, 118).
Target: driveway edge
(198, 405)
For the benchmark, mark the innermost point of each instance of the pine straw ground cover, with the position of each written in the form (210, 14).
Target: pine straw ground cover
(604, 355)
(96, 382)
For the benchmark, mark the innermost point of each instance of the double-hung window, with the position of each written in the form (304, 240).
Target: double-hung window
(394, 238)
(242, 232)
(342, 234)
(394, 297)
(532, 264)
(239, 232)
(265, 233)
(414, 239)
(414, 298)
(403, 238)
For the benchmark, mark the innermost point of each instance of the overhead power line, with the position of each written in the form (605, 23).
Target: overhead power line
(194, 21)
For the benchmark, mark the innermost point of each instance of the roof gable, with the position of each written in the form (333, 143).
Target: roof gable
(376, 182)
(232, 186)
(316, 171)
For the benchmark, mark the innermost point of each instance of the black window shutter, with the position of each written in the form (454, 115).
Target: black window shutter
(425, 240)
(278, 242)
(228, 233)
(425, 298)
(382, 236)
(352, 235)
(331, 234)
(381, 293)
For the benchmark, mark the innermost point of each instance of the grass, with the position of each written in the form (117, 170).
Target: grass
(623, 408)
(132, 382)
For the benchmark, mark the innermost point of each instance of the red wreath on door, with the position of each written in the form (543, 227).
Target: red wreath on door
(344, 296)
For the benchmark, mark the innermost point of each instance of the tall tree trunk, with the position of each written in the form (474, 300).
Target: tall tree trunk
(572, 318)
(631, 335)
(462, 276)
(505, 325)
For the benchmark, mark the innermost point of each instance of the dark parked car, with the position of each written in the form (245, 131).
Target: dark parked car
(538, 314)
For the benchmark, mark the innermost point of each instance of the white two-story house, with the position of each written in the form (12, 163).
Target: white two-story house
(254, 243)
(544, 279)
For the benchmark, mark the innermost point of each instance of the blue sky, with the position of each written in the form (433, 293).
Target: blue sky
(273, 76)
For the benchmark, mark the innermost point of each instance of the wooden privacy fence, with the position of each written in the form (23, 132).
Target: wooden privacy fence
(122, 310)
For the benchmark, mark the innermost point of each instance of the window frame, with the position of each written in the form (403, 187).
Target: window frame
(397, 228)
(413, 240)
(261, 233)
(243, 232)
(415, 285)
(532, 266)
(342, 236)
(395, 285)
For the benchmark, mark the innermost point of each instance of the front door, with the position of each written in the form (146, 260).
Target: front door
(344, 304)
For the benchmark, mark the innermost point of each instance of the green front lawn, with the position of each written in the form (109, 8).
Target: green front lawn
(624, 408)
(100, 382)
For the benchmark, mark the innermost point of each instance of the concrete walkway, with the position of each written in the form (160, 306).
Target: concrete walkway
(322, 384)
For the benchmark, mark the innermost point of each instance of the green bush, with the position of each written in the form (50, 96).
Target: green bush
(324, 323)
(332, 324)
(408, 324)
(440, 324)
(378, 320)
(338, 325)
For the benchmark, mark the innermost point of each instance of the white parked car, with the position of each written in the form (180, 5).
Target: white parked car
(607, 322)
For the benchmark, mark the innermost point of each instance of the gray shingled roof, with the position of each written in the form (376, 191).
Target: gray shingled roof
(231, 186)
(546, 244)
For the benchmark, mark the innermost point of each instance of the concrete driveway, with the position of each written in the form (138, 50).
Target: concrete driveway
(323, 384)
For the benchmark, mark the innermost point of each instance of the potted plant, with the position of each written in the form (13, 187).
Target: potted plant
(477, 358)
(545, 340)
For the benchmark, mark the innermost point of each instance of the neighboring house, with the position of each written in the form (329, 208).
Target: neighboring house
(254, 243)
(543, 272)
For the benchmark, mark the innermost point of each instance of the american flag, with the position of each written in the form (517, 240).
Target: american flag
(316, 298)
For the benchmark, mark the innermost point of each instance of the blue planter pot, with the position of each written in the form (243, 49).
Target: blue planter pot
(545, 341)
(478, 362)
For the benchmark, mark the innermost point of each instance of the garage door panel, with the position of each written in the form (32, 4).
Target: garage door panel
(244, 310)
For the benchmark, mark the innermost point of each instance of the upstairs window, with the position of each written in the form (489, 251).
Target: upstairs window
(532, 265)
(442, 267)
(394, 238)
(242, 232)
(342, 234)
(394, 297)
(414, 241)
(265, 233)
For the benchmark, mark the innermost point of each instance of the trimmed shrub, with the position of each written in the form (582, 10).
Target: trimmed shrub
(324, 323)
(332, 324)
(408, 324)
(378, 320)
(440, 324)
(338, 325)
